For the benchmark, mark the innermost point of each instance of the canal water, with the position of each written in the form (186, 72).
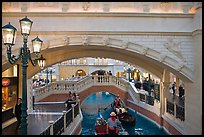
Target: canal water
(102, 100)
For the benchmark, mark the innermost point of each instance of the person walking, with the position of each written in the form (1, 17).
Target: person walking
(113, 123)
(18, 111)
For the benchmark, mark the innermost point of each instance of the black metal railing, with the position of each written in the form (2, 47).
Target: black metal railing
(68, 117)
(150, 100)
(170, 107)
(76, 110)
(157, 92)
(46, 132)
(180, 112)
(58, 126)
(142, 97)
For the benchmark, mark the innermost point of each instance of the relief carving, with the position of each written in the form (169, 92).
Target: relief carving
(66, 41)
(86, 6)
(85, 40)
(125, 44)
(174, 48)
(144, 50)
(106, 41)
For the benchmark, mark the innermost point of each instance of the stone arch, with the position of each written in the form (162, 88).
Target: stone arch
(111, 89)
(94, 46)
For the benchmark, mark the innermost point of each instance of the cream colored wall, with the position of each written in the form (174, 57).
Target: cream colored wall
(67, 71)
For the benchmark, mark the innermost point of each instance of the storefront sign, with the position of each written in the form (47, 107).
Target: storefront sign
(5, 82)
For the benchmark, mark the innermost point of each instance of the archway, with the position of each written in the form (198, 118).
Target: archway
(80, 72)
(150, 59)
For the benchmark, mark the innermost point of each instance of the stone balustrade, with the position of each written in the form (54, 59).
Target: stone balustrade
(66, 86)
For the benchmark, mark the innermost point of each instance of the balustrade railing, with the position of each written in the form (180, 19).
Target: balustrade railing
(65, 86)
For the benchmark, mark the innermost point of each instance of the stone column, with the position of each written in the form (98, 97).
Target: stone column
(193, 90)
(164, 90)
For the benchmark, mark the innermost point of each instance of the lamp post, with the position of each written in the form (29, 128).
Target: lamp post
(9, 35)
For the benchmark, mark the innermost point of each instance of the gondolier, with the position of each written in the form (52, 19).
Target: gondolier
(113, 123)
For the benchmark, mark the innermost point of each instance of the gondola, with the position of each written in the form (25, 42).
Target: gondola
(125, 117)
(101, 125)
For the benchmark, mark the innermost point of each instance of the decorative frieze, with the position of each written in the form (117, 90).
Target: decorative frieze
(86, 6)
(174, 48)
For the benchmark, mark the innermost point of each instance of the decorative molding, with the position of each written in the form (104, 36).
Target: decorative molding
(125, 44)
(98, 14)
(106, 41)
(86, 6)
(109, 33)
(65, 6)
(162, 57)
(174, 48)
(85, 40)
(106, 7)
(144, 50)
(66, 40)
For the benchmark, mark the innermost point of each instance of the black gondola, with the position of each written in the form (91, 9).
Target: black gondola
(124, 116)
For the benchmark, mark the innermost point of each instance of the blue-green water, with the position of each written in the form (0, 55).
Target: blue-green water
(101, 100)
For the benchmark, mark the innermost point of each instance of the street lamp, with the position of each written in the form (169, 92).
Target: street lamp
(128, 69)
(9, 35)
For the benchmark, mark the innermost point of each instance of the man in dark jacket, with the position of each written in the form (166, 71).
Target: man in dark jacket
(18, 111)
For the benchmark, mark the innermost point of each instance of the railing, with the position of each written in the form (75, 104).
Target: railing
(46, 132)
(78, 86)
(180, 112)
(147, 99)
(176, 109)
(58, 127)
(69, 117)
(170, 107)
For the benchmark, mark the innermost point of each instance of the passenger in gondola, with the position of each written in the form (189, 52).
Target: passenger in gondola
(117, 101)
(113, 123)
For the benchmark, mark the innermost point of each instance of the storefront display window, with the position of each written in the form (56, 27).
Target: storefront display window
(9, 92)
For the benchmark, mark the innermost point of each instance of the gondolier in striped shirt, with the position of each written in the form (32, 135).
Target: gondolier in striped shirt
(113, 123)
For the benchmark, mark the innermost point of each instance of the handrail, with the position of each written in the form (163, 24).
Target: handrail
(58, 125)
(78, 86)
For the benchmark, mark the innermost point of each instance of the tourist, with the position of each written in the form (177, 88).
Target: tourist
(17, 112)
(110, 73)
(113, 123)
(181, 91)
(117, 101)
